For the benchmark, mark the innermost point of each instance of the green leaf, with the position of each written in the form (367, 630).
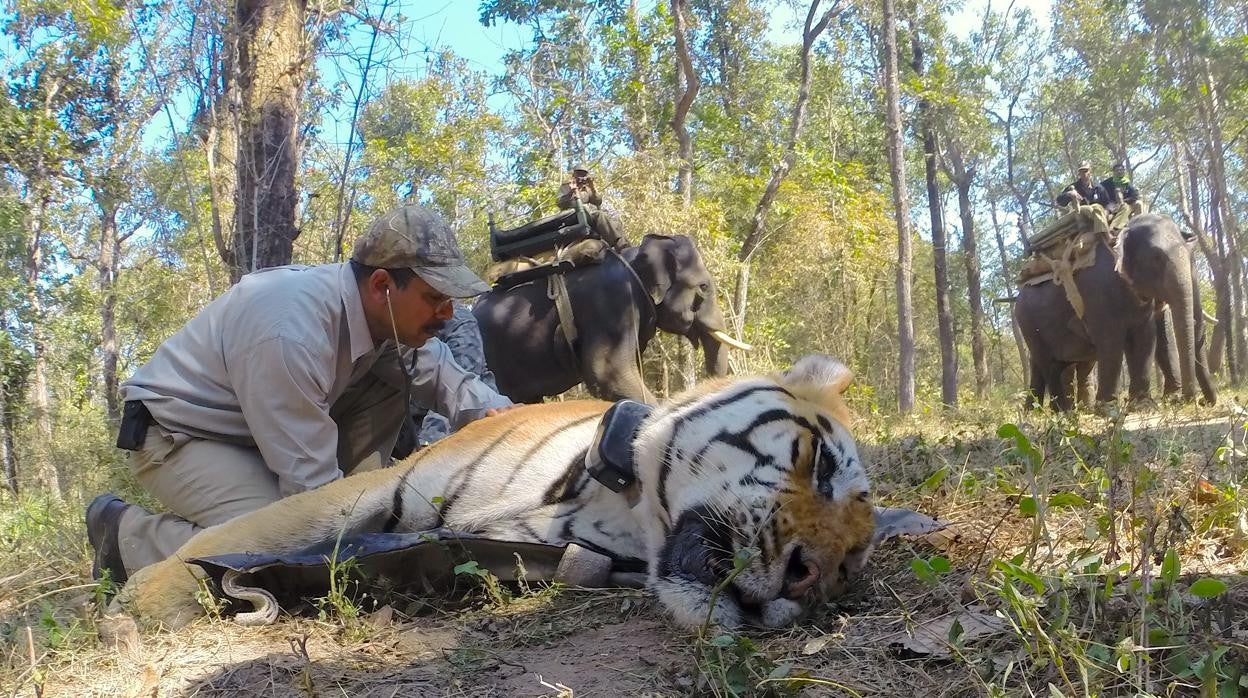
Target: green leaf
(1207, 587)
(923, 570)
(940, 564)
(1067, 499)
(956, 631)
(781, 671)
(1170, 566)
(470, 567)
(437, 500)
(724, 640)
(933, 481)
(743, 558)
(1027, 506)
(1022, 574)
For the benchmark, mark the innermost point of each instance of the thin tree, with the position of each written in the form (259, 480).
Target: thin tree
(962, 171)
(901, 208)
(811, 31)
(687, 86)
(940, 265)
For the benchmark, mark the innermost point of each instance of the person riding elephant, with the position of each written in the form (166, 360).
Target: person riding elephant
(602, 218)
(1083, 190)
(1120, 299)
(616, 307)
(1118, 188)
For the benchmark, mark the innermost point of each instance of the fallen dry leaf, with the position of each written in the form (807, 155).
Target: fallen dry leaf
(891, 522)
(931, 639)
(1207, 492)
(817, 644)
(381, 617)
(119, 632)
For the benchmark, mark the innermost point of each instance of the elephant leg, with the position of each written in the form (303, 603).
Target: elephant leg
(1139, 348)
(1108, 369)
(1036, 390)
(612, 373)
(1064, 387)
(1202, 358)
(1167, 353)
(1056, 384)
(1083, 382)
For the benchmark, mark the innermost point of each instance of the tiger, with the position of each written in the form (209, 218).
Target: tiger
(750, 503)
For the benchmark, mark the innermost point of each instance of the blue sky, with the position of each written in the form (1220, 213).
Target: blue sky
(432, 26)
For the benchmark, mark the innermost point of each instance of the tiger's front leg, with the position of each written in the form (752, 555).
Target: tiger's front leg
(690, 565)
(166, 593)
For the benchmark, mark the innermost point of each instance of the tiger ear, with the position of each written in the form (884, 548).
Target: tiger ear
(820, 379)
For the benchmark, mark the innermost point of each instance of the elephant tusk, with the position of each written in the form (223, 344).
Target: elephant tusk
(731, 341)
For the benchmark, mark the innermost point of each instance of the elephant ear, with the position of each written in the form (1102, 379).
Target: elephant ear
(822, 380)
(650, 254)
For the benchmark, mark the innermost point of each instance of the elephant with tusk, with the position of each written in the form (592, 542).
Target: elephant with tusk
(617, 306)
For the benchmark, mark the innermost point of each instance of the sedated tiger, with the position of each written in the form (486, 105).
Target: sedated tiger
(763, 463)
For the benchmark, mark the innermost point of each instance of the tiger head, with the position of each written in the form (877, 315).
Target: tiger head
(760, 498)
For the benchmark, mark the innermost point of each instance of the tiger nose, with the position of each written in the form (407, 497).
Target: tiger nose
(799, 576)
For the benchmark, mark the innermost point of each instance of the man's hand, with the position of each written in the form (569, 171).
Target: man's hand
(499, 410)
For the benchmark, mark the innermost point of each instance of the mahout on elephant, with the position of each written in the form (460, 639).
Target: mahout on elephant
(1121, 293)
(615, 306)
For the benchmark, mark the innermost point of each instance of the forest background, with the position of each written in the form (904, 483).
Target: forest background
(153, 152)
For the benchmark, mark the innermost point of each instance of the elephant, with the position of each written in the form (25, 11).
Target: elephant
(1121, 318)
(617, 305)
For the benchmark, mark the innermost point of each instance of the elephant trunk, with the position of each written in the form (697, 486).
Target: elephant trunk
(1183, 312)
(1202, 360)
(714, 354)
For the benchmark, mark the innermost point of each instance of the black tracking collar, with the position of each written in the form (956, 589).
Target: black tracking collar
(610, 457)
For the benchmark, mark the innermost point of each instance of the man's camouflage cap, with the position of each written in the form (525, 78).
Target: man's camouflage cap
(416, 238)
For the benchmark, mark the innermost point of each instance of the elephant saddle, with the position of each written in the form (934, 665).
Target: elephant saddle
(518, 270)
(1066, 246)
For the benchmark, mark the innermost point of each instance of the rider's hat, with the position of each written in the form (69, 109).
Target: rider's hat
(1085, 165)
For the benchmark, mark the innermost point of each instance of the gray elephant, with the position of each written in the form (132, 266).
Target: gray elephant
(617, 306)
(1120, 319)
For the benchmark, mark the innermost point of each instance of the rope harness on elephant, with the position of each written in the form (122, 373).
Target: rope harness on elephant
(1069, 244)
(585, 253)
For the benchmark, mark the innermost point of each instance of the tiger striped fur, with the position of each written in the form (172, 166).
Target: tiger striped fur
(761, 464)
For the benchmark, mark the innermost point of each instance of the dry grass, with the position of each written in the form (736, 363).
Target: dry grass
(1080, 600)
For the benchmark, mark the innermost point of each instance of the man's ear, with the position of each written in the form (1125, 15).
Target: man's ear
(378, 285)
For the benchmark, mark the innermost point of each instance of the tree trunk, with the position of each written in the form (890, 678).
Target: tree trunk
(638, 123)
(106, 268)
(1220, 205)
(974, 292)
(797, 122)
(7, 459)
(271, 59)
(940, 265)
(687, 86)
(901, 208)
(1187, 176)
(220, 140)
(1017, 331)
(46, 474)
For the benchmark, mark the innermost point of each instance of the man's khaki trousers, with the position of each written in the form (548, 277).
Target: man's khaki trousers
(205, 482)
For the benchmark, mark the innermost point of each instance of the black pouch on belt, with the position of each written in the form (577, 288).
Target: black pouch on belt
(135, 419)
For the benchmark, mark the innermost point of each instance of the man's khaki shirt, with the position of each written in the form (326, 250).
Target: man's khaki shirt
(262, 364)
